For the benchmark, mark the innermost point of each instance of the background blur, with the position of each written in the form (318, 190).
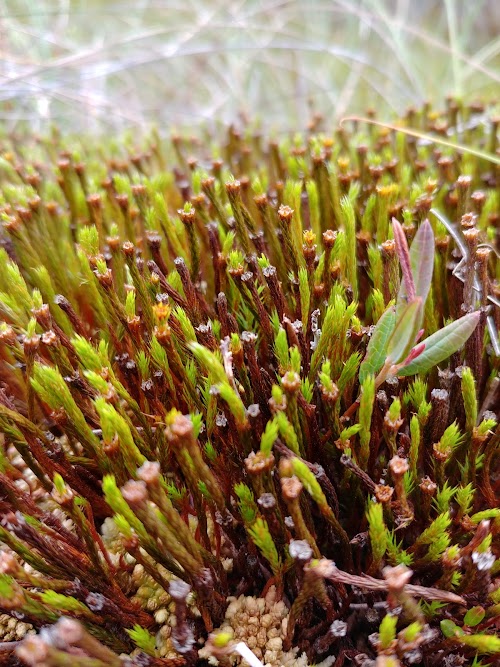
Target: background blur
(99, 65)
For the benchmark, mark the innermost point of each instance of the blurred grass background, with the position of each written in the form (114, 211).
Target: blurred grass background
(98, 65)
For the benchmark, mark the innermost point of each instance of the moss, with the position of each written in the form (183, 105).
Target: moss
(188, 344)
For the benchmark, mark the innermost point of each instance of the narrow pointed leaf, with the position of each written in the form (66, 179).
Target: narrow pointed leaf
(405, 331)
(376, 351)
(404, 259)
(422, 259)
(422, 263)
(442, 344)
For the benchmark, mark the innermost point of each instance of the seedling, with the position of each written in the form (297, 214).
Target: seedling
(394, 349)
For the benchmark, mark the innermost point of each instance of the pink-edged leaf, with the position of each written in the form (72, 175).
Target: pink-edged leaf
(414, 352)
(474, 616)
(404, 259)
(405, 332)
(421, 264)
(442, 344)
(422, 259)
(419, 335)
(377, 347)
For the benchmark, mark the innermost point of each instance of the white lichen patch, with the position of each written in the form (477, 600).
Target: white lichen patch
(261, 624)
(12, 629)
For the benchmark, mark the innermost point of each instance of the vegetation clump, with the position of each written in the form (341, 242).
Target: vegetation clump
(249, 396)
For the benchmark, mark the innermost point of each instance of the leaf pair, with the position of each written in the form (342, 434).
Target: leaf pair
(393, 348)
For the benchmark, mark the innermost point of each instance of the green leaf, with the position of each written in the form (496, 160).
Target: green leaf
(405, 331)
(422, 262)
(450, 629)
(366, 402)
(377, 347)
(474, 616)
(442, 344)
